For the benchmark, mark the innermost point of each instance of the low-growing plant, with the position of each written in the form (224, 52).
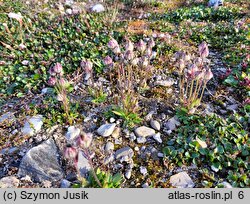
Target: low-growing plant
(133, 69)
(221, 144)
(62, 87)
(194, 78)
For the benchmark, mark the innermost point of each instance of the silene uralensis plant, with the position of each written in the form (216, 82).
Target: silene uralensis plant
(97, 178)
(194, 75)
(131, 65)
(61, 86)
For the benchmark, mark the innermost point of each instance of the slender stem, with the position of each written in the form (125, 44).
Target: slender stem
(204, 86)
(190, 92)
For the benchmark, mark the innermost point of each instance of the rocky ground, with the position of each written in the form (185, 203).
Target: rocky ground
(33, 138)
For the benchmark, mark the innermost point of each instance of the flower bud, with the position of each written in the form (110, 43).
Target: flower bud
(58, 68)
(135, 61)
(129, 55)
(52, 81)
(181, 64)
(192, 71)
(113, 44)
(108, 60)
(208, 75)
(148, 52)
(198, 61)
(84, 140)
(203, 50)
(141, 46)
(70, 152)
(117, 50)
(129, 46)
(151, 43)
(87, 65)
(144, 61)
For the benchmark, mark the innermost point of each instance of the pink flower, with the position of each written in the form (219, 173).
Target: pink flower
(113, 43)
(198, 61)
(87, 65)
(84, 140)
(129, 55)
(52, 81)
(129, 46)
(192, 71)
(135, 61)
(58, 68)
(148, 52)
(52, 71)
(70, 152)
(203, 50)
(141, 46)
(208, 75)
(108, 60)
(117, 50)
(151, 43)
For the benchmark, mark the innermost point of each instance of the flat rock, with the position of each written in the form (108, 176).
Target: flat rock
(144, 131)
(109, 147)
(9, 182)
(172, 123)
(65, 184)
(141, 140)
(41, 163)
(32, 125)
(166, 83)
(106, 129)
(124, 152)
(155, 124)
(157, 137)
(213, 3)
(98, 8)
(7, 117)
(181, 180)
(83, 165)
(72, 133)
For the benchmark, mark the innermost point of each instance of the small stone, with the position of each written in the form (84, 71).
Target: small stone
(9, 182)
(215, 3)
(116, 132)
(145, 185)
(157, 137)
(181, 180)
(226, 184)
(160, 155)
(109, 159)
(136, 148)
(128, 174)
(149, 116)
(155, 124)
(25, 62)
(111, 120)
(132, 137)
(118, 141)
(109, 147)
(72, 133)
(7, 117)
(125, 151)
(166, 83)
(98, 8)
(69, 11)
(172, 123)
(233, 107)
(32, 125)
(65, 183)
(144, 131)
(141, 140)
(106, 129)
(83, 165)
(143, 170)
(13, 150)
